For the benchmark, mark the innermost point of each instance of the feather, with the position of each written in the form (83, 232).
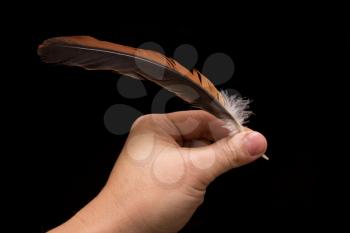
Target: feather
(191, 86)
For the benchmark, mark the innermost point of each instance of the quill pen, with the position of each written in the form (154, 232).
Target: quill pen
(191, 86)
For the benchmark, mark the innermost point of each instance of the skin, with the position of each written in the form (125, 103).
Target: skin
(161, 175)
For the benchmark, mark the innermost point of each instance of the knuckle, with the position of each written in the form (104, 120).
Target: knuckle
(142, 121)
(231, 154)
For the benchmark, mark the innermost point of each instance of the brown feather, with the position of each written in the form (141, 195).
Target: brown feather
(90, 53)
(191, 86)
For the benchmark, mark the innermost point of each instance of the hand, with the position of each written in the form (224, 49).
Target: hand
(162, 173)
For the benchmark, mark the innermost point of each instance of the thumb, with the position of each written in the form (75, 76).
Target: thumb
(229, 152)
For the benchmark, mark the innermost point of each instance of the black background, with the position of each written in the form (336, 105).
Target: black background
(67, 154)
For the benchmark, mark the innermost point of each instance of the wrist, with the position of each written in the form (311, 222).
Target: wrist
(101, 215)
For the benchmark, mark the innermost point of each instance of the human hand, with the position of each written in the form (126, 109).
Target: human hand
(161, 175)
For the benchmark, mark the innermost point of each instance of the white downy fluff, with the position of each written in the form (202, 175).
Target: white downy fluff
(238, 108)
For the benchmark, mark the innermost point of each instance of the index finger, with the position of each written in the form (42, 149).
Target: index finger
(196, 124)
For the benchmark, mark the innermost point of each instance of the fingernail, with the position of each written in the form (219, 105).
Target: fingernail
(254, 143)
